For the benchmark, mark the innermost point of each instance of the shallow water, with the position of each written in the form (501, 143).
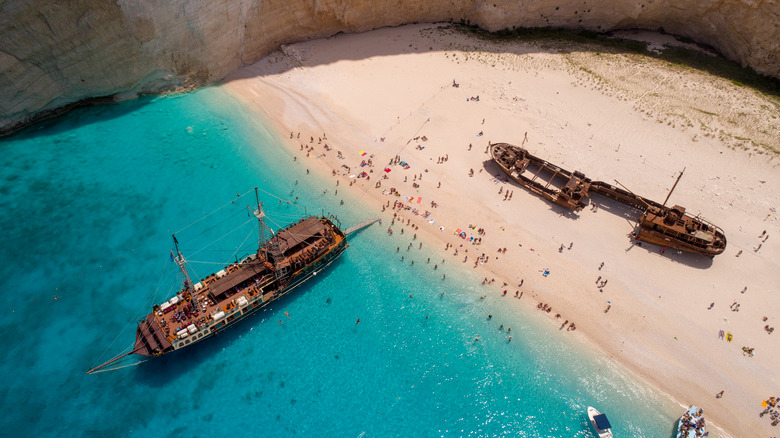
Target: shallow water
(89, 202)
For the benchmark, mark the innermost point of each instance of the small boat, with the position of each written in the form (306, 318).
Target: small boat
(691, 424)
(600, 423)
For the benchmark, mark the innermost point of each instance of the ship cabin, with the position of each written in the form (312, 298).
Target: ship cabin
(673, 223)
(248, 273)
(296, 246)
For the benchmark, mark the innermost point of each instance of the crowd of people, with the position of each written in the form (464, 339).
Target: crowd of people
(399, 207)
(770, 409)
(692, 423)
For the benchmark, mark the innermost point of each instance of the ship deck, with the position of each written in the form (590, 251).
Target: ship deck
(300, 245)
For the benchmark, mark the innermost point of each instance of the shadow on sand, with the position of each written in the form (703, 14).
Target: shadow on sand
(554, 41)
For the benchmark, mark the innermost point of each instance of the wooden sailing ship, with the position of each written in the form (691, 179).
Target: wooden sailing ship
(666, 226)
(565, 188)
(201, 310)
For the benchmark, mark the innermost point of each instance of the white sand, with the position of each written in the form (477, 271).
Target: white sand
(611, 116)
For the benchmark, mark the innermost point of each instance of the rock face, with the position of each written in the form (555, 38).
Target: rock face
(54, 54)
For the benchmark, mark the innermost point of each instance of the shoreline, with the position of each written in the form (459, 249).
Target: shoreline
(296, 91)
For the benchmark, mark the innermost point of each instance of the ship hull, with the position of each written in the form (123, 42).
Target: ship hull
(560, 186)
(661, 239)
(670, 227)
(293, 256)
(255, 306)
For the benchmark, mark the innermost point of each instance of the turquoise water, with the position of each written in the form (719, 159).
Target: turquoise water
(88, 204)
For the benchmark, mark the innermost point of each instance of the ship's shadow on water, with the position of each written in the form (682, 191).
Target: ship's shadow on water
(161, 371)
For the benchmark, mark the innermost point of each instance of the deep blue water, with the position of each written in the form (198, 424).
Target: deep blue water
(88, 204)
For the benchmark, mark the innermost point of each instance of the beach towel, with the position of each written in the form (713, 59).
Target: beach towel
(387, 170)
(419, 199)
(363, 153)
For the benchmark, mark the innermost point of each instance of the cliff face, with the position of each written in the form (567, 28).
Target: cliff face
(55, 53)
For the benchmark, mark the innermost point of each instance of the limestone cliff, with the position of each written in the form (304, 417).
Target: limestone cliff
(55, 53)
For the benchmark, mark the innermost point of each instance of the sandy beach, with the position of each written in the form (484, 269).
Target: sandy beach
(613, 116)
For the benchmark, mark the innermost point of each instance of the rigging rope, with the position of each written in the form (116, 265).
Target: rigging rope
(219, 208)
(103, 370)
(281, 199)
(145, 305)
(218, 224)
(223, 236)
(239, 247)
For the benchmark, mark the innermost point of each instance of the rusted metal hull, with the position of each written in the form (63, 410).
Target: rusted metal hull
(558, 185)
(671, 227)
(681, 231)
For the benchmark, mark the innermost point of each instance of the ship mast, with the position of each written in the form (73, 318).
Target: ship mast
(675, 185)
(260, 214)
(181, 261)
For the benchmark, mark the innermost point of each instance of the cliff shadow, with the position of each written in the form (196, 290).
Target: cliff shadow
(553, 40)
(76, 115)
